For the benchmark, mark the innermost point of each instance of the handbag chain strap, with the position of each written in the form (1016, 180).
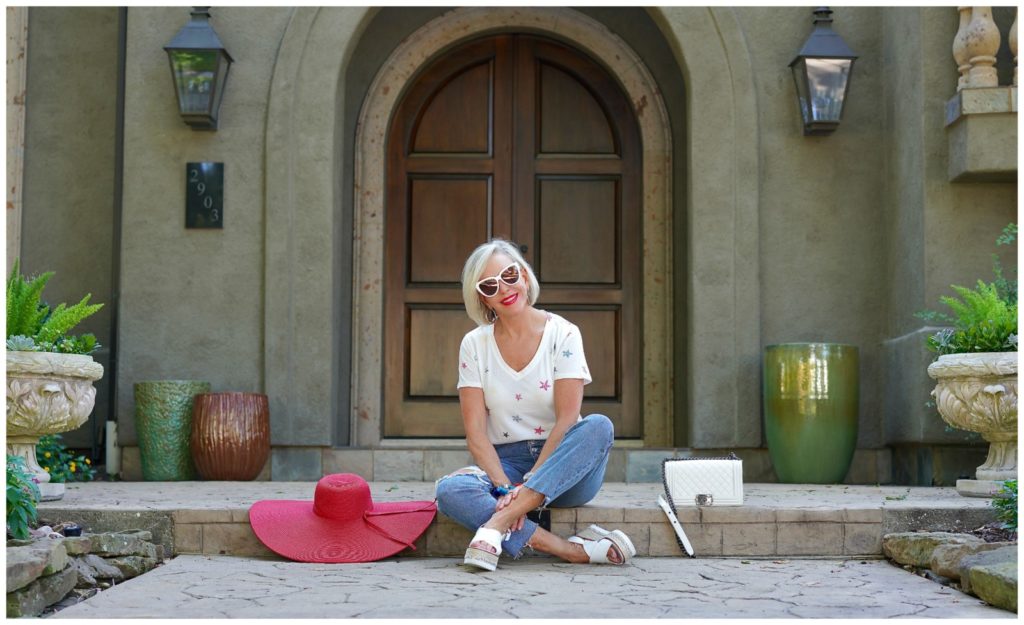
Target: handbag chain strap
(668, 495)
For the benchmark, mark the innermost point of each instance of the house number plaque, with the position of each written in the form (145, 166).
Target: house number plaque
(204, 195)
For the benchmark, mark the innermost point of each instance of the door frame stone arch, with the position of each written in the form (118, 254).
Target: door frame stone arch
(304, 158)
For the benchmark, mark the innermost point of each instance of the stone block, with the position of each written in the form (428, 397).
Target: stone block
(105, 519)
(639, 534)
(645, 465)
(705, 538)
(265, 472)
(616, 469)
(440, 462)
(748, 539)
(946, 558)
(563, 515)
(132, 566)
(236, 539)
(585, 515)
(985, 558)
(810, 516)
(898, 520)
(818, 539)
(34, 598)
(862, 539)
(188, 538)
(101, 568)
(39, 558)
(117, 544)
(77, 545)
(296, 464)
(447, 539)
(86, 574)
(201, 516)
(996, 584)
(983, 148)
(419, 551)
(139, 533)
(397, 465)
(239, 515)
(862, 515)
(564, 530)
(358, 461)
(648, 514)
(736, 514)
(916, 548)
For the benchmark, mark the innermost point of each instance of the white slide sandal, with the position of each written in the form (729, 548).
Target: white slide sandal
(597, 550)
(595, 532)
(481, 558)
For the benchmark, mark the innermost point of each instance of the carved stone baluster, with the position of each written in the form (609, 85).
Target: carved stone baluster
(960, 47)
(1013, 45)
(982, 44)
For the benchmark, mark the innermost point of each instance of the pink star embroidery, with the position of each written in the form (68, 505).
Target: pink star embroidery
(545, 385)
(519, 397)
(538, 430)
(464, 365)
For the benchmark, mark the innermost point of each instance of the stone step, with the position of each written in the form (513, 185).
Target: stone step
(783, 520)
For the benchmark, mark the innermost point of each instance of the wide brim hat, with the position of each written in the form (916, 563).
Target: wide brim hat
(341, 524)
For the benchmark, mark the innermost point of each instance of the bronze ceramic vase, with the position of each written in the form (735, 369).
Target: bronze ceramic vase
(230, 435)
(163, 422)
(811, 405)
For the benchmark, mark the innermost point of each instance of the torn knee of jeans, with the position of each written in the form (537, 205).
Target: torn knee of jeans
(470, 470)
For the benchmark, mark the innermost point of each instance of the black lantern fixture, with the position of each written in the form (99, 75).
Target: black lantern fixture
(822, 73)
(199, 66)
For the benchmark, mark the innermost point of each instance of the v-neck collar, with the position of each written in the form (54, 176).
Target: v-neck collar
(536, 355)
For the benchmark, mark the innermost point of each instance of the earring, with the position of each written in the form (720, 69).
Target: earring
(491, 315)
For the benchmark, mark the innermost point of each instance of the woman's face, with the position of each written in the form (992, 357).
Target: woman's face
(510, 299)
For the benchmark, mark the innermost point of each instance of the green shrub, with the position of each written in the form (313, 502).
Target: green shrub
(32, 326)
(61, 464)
(1005, 502)
(22, 497)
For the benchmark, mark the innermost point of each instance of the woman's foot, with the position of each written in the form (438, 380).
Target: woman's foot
(580, 555)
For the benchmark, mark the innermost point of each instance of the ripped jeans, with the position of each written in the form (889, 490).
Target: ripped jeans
(570, 477)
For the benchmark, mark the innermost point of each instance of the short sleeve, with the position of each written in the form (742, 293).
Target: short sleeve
(570, 362)
(469, 364)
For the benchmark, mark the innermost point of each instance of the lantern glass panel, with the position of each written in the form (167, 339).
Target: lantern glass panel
(195, 73)
(826, 83)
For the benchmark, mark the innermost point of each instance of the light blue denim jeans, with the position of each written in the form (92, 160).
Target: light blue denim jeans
(570, 477)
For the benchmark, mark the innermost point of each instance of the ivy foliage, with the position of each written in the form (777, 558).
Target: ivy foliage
(32, 326)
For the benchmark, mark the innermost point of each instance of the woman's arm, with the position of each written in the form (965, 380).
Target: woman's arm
(474, 419)
(568, 399)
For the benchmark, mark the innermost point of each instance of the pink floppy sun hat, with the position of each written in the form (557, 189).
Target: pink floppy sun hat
(341, 524)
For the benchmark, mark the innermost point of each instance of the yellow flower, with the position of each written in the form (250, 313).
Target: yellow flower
(87, 461)
(46, 455)
(47, 469)
(72, 468)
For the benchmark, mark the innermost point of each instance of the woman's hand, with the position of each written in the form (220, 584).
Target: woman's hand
(504, 501)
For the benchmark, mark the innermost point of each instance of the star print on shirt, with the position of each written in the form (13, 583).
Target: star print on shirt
(545, 385)
(519, 397)
(465, 366)
(538, 430)
(566, 354)
(516, 418)
(505, 434)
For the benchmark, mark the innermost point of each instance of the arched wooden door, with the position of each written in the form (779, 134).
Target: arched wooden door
(524, 138)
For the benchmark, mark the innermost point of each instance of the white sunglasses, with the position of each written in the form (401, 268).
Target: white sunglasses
(488, 287)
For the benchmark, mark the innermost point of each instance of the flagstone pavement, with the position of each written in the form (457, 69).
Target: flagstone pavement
(197, 586)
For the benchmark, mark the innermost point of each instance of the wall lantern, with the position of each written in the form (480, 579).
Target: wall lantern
(822, 73)
(199, 66)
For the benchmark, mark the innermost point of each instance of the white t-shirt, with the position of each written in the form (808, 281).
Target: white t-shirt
(521, 405)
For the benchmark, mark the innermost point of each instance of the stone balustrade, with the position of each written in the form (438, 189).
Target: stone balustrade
(976, 45)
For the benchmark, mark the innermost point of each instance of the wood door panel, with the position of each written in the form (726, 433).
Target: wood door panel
(570, 120)
(577, 230)
(458, 117)
(453, 210)
(556, 167)
(434, 338)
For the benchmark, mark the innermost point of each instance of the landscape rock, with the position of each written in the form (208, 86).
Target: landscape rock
(996, 584)
(34, 598)
(140, 534)
(77, 545)
(118, 544)
(38, 558)
(132, 566)
(985, 558)
(916, 548)
(102, 568)
(946, 558)
(86, 573)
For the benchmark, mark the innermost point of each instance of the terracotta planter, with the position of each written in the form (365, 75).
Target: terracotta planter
(47, 393)
(163, 422)
(230, 435)
(811, 405)
(978, 393)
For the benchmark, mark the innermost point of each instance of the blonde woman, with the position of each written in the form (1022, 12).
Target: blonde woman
(521, 377)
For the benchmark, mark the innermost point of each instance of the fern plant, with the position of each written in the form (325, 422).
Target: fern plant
(32, 326)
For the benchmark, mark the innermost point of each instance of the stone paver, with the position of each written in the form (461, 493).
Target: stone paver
(224, 586)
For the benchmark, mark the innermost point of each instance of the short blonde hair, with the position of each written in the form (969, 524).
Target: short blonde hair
(474, 266)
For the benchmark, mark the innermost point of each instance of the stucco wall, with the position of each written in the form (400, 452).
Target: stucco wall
(192, 300)
(68, 209)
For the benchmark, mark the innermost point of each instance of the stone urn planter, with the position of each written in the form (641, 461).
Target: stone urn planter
(978, 393)
(47, 393)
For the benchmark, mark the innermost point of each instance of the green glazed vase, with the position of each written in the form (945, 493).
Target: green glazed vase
(811, 405)
(163, 423)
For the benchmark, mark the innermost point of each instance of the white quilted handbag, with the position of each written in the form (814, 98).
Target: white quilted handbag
(703, 481)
